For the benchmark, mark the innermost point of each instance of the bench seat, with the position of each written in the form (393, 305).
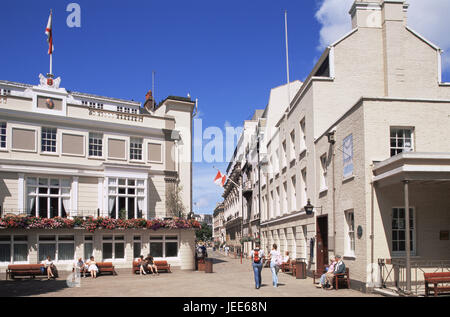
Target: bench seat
(440, 282)
(161, 265)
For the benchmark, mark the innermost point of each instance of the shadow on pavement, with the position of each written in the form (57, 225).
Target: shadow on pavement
(30, 287)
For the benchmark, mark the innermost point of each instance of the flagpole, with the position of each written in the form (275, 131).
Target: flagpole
(287, 61)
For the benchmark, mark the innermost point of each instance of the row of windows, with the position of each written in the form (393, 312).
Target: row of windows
(96, 148)
(14, 249)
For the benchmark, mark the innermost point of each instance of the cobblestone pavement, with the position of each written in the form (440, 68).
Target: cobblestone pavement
(230, 279)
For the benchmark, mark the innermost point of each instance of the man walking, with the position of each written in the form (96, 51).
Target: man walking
(257, 256)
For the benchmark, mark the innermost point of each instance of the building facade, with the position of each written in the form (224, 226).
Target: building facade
(219, 233)
(76, 155)
(363, 140)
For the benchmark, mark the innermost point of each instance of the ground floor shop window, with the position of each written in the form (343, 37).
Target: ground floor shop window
(13, 249)
(164, 246)
(113, 247)
(399, 231)
(137, 246)
(58, 247)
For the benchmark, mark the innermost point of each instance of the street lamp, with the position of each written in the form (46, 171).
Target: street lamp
(309, 208)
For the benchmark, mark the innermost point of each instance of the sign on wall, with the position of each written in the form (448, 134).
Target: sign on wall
(347, 150)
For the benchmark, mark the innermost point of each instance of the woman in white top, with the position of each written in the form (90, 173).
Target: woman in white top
(274, 257)
(93, 269)
(48, 264)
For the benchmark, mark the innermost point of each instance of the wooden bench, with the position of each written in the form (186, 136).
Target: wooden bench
(318, 274)
(286, 266)
(342, 277)
(105, 267)
(31, 270)
(161, 265)
(436, 279)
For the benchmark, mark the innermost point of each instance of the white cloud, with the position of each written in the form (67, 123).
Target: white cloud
(429, 18)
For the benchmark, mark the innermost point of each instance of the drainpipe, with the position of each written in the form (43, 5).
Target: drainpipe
(407, 237)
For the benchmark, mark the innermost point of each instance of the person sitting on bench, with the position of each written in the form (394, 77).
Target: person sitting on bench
(151, 264)
(323, 280)
(93, 269)
(79, 266)
(142, 265)
(339, 268)
(48, 264)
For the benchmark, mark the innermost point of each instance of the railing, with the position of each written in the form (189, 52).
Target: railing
(393, 273)
(116, 115)
(67, 214)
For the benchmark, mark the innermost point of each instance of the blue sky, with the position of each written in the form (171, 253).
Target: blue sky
(229, 54)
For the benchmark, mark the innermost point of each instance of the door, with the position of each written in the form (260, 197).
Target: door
(322, 242)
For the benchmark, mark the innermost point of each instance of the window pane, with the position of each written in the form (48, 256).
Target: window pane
(171, 249)
(88, 250)
(136, 250)
(107, 250)
(20, 252)
(20, 238)
(47, 250)
(156, 249)
(66, 251)
(119, 250)
(47, 238)
(171, 238)
(119, 238)
(5, 253)
(5, 238)
(66, 238)
(156, 237)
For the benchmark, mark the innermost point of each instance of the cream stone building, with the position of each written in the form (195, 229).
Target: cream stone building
(69, 154)
(363, 137)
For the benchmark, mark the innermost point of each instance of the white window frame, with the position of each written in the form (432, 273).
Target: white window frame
(3, 133)
(284, 154)
(113, 241)
(163, 241)
(134, 149)
(323, 172)
(45, 151)
(96, 136)
(293, 193)
(292, 147)
(48, 195)
(400, 149)
(140, 190)
(304, 188)
(349, 247)
(302, 137)
(57, 242)
(414, 233)
(11, 244)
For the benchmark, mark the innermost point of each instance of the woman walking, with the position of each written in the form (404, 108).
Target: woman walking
(274, 258)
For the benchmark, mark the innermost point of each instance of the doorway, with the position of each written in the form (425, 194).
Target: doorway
(322, 242)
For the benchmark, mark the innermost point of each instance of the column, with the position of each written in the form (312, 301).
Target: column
(407, 237)
(21, 194)
(74, 211)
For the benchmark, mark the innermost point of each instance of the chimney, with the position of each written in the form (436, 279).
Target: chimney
(149, 101)
(366, 14)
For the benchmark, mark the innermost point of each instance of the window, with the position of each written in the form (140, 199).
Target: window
(271, 205)
(292, 148)
(95, 144)
(399, 230)
(277, 201)
(48, 197)
(136, 149)
(48, 140)
(293, 194)
(164, 246)
(13, 249)
(323, 172)
(88, 246)
(113, 247)
(283, 154)
(285, 199)
(136, 246)
(126, 197)
(349, 248)
(401, 140)
(303, 187)
(302, 135)
(2, 135)
(58, 247)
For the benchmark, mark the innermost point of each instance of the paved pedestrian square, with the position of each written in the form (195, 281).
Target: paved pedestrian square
(230, 279)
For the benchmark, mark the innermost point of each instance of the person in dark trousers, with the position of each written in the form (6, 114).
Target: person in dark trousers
(339, 268)
(257, 256)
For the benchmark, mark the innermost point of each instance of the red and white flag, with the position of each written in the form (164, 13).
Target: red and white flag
(220, 179)
(48, 32)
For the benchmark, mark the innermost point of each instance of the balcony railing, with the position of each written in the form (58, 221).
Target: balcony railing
(116, 115)
(68, 214)
(393, 273)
